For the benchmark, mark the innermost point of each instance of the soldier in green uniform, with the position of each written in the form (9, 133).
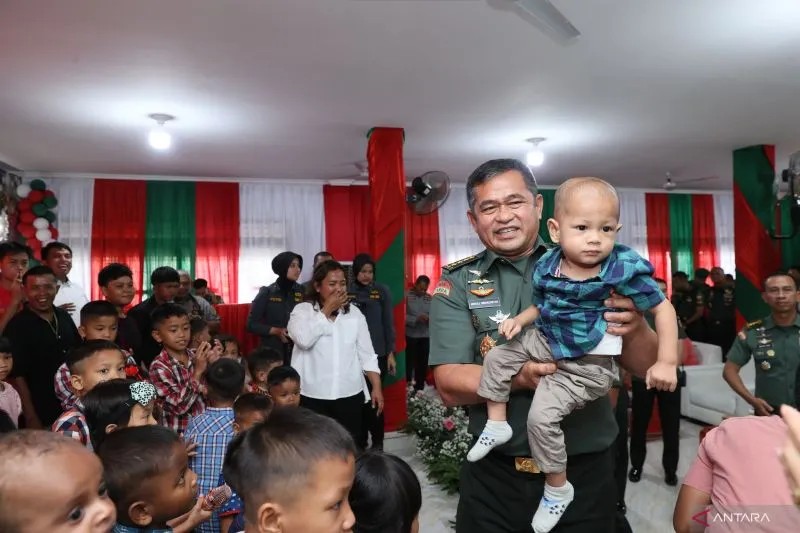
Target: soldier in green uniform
(721, 312)
(689, 304)
(500, 492)
(774, 345)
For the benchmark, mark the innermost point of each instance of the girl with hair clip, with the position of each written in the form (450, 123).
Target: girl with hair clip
(116, 404)
(386, 496)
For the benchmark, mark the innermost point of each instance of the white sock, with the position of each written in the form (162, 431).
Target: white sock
(495, 433)
(553, 504)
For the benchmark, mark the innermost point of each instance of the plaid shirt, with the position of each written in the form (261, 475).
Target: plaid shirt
(73, 424)
(180, 395)
(66, 396)
(212, 430)
(572, 311)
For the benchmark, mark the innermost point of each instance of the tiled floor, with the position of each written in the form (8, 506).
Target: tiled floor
(650, 502)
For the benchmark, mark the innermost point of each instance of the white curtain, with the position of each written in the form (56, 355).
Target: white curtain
(633, 217)
(723, 220)
(274, 218)
(74, 222)
(457, 239)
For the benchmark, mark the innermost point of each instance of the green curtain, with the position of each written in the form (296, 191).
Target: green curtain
(790, 248)
(549, 203)
(170, 227)
(680, 225)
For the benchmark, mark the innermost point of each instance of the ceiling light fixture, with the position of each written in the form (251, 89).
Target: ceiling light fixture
(159, 138)
(535, 156)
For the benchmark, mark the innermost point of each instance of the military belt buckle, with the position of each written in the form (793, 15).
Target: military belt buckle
(526, 464)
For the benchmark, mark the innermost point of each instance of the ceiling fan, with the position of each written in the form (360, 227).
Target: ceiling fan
(549, 17)
(363, 174)
(670, 184)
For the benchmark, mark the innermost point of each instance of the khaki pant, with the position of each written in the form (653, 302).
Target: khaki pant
(575, 383)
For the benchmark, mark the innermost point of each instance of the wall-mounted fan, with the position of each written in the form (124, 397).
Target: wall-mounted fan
(428, 192)
(670, 184)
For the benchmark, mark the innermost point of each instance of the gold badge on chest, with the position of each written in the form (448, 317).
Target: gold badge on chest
(481, 291)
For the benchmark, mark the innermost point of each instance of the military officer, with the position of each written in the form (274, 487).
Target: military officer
(721, 312)
(774, 345)
(498, 493)
(689, 305)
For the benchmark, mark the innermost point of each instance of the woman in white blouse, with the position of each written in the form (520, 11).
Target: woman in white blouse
(333, 351)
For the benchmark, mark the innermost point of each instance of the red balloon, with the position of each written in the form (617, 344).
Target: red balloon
(48, 192)
(27, 217)
(24, 205)
(27, 231)
(54, 231)
(36, 196)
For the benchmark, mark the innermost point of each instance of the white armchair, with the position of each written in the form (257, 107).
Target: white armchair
(707, 397)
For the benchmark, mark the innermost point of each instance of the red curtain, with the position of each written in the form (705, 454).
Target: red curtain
(217, 237)
(118, 228)
(658, 235)
(422, 247)
(233, 320)
(346, 220)
(704, 237)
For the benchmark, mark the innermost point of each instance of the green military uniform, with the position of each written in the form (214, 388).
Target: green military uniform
(473, 296)
(686, 304)
(776, 354)
(721, 317)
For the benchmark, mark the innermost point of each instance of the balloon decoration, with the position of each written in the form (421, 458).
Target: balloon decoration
(35, 217)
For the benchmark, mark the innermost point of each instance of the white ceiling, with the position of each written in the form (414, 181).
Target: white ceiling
(286, 89)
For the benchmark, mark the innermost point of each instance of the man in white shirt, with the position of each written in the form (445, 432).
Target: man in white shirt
(70, 297)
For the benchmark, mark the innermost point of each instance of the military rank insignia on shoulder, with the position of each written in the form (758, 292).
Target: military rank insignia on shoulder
(750, 325)
(461, 262)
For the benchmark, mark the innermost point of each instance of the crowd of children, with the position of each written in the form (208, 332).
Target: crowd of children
(201, 439)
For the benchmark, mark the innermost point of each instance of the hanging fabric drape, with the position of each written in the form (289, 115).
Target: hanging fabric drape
(217, 237)
(633, 217)
(658, 235)
(422, 247)
(118, 229)
(723, 229)
(681, 239)
(74, 223)
(457, 239)
(346, 221)
(704, 240)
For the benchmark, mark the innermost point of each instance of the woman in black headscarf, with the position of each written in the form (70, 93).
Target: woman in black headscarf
(270, 310)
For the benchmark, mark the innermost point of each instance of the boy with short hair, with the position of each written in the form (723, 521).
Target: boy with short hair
(44, 477)
(14, 259)
(283, 386)
(99, 321)
(9, 398)
(176, 372)
(212, 430)
(116, 284)
(260, 363)
(149, 480)
(294, 472)
(92, 363)
(166, 282)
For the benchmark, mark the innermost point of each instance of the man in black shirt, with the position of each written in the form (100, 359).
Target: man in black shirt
(41, 335)
(165, 281)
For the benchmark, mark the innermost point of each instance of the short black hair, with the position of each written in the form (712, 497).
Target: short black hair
(224, 339)
(5, 345)
(729, 277)
(279, 374)
(423, 278)
(166, 311)
(196, 325)
(322, 253)
(97, 309)
(776, 274)
(225, 379)
(680, 275)
(252, 402)
(113, 272)
(284, 450)
(261, 359)
(37, 271)
(200, 283)
(55, 245)
(493, 168)
(386, 496)
(659, 280)
(164, 274)
(701, 273)
(107, 403)
(130, 457)
(87, 350)
(13, 248)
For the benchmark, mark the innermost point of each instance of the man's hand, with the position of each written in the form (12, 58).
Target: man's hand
(662, 376)
(391, 363)
(530, 374)
(761, 407)
(69, 307)
(624, 321)
(377, 401)
(423, 319)
(509, 328)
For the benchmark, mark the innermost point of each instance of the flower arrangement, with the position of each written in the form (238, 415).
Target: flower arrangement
(442, 437)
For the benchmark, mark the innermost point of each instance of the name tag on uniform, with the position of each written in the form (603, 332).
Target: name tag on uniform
(484, 302)
(275, 299)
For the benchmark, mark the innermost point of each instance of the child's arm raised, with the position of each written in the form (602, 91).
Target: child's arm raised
(663, 375)
(511, 326)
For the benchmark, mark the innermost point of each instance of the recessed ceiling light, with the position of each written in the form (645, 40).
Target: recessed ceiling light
(535, 157)
(159, 138)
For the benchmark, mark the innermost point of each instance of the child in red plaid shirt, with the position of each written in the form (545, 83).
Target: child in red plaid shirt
(176, 372)
(89, 364)
(260, 363)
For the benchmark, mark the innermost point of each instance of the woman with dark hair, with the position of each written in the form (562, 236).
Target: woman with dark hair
(333, 351)
(386, 496)
(270, 310)
(374, 301)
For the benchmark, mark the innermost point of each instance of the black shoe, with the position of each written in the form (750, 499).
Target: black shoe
(621, 508)
(635, 475)
(377, 447)
(671, 479)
